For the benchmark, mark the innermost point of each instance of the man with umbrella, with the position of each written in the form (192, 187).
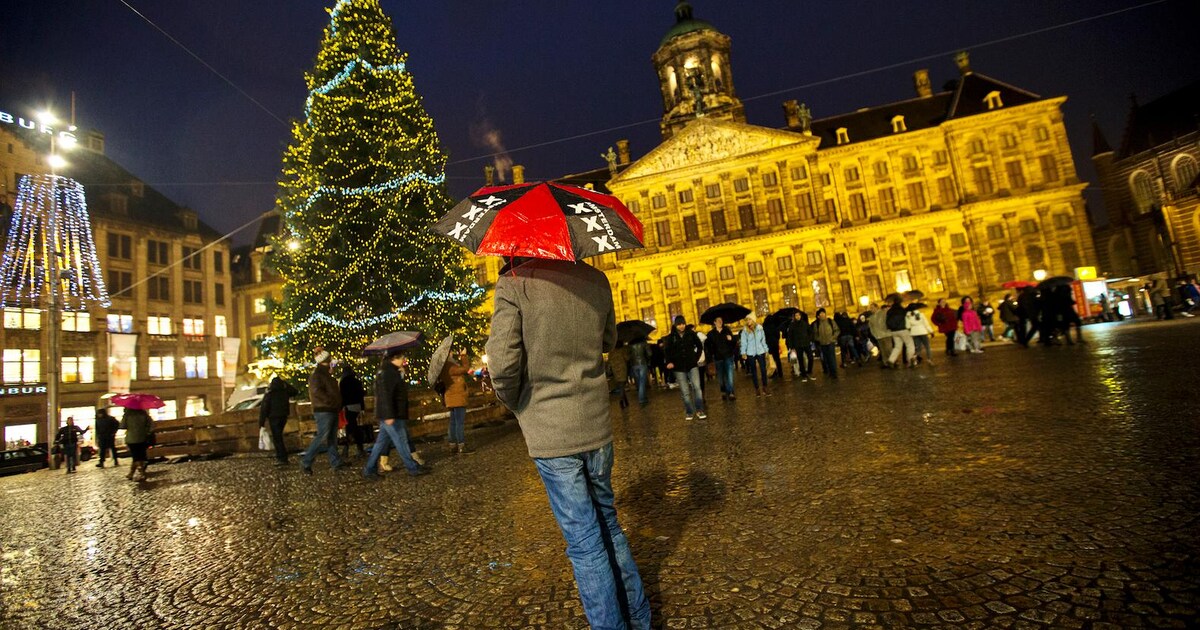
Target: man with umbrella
(720, 349)
(391, 409)
(552, 322)
(326, 398)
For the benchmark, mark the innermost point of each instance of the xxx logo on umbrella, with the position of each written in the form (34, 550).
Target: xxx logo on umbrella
(593, 223)
(474, 214)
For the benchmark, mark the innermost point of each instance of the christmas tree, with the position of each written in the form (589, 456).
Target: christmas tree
(363, 178)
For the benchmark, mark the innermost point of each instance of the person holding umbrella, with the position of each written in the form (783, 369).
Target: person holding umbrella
(683, 355)
(454, 395)
(326, 398)
(799, 342)
(639, 364)
(137, 425)
(391, 410)
(273, 413)
(720, 348)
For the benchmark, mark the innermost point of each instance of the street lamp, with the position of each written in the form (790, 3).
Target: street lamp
(53, 318)
(1039, 274)
(864, 301)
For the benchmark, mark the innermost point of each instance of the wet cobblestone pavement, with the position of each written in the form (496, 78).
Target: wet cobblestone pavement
(1017, 489)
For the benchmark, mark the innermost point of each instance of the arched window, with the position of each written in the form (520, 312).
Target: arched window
(1185, 171)
(977, 146)
(1143, 191)
(1037, 257)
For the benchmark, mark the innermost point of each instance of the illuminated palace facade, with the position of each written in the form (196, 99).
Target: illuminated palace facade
(953, 193)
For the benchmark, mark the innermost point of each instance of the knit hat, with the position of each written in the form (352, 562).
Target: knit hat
(750, 318)
(679, 320)
(820, 310)
(323, 356)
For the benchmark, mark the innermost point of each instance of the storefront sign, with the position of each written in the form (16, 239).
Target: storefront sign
(122, 348)
(33, 125)
(34, 389)
(1085, 273)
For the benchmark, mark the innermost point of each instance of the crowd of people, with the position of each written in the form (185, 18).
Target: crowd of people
(897, 333)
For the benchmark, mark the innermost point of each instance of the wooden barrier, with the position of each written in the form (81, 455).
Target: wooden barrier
(237, 431)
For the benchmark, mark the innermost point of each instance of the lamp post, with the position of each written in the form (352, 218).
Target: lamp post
(53, 319)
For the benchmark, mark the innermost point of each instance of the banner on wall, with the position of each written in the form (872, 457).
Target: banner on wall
(122, 348)
(229, 358)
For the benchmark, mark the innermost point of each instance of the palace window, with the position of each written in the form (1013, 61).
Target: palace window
(691, 229)
(791, 296)
(648, 315)
(1185, 170)
(858, 207)
(897, 250)
(1041, 134)
(1008, 141)
(674, 309)
(698, 278)
(928, 246)
(976, 146)
(79, 369)
(1004, 267)
(670, 281)
(746, 216)
(941, 157)
(1070, 255)
(995, 232)
(761, 304)
(874, 287)
(958, 239)
(813, 257)
(852, 174)
(702, 305)
(634, 205)
(830, 209)
(1062, 220)
(840, 260)
(887, 200)
(22, 365)
(26, 318)
(983, 180)
(1029, 226)
(727, 274)
(867, 254)
(1036, 256)
(662, 230)
(754, 267)
(643, 287)
(784, 263)
(770, 178)
(712, 191)
(933, 278)
(898, 124)
(1049, 168)
(916, 195)
(881, 169)
(161, 368)
(805, 204)
(843, 135)
(718, 222)
(775, 211)
(120, 246)
(1016, 174)
(946, 193)
(903, 283)
(741, 184)
(120, 322)
(820, 293)
(911, 164)
(993, 100)
(799, 172)
(658, 201)
(964, 273)
(685, 195)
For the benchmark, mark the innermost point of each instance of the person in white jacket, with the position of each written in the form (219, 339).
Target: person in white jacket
(921, 330)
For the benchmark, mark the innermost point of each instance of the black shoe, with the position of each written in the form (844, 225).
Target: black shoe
(100, 465)
(306, 470)
(421, 470)
(341, 466)
(372, 476)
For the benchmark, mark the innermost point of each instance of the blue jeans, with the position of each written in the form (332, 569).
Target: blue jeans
(395, 434)
(581, 496)
(326, 426)
(829, 359)
(689, 388)
(758, 365)
(641, 375)
(725, 375)
(458, 425)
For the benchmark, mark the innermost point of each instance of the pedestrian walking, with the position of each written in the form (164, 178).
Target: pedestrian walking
(825, 335)
(1008, 315)
(138, 436)
(106, 436)
(946, 321)
(848, 340)
(720, 347)
(639, 364)
(754, 353)
(67, 442)
(326, 398)
(902, 341)
(773, 331)
(273, 412)
(683, 355)
(799, 343)
(618, 365)
(354, 398)
(454, 379)
(554, 318)
(972, 327)
(881, 333)
(391, 410)
(921, 330)
(1028, 316)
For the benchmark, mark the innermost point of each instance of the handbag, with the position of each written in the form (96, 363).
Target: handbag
(264, 440)
(711, 368)
(960, 342)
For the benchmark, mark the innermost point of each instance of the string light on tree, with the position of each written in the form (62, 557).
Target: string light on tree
(362, 179)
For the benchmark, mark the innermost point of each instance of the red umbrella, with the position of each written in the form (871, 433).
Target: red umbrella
(137, 401)
(1018, 284)
(541, 220)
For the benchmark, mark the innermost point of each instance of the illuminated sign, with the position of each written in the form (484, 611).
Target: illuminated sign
(23, 390)
(33, 125)
(1085, 273)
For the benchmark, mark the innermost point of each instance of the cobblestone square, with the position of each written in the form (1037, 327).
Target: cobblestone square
(1048, 487)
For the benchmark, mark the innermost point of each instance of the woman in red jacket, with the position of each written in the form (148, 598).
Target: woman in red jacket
(946, 320)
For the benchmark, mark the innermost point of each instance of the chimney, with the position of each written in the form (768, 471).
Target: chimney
(489, 175)
(921, 82)
(791, 111)
(622, 152)
(518, 174)
(963, 59)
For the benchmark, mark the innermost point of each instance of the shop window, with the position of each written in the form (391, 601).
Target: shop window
(23, 318)
(161, 368)
(22, 365)
(78, 369)
(195, 366)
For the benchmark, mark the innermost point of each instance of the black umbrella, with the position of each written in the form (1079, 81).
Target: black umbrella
(786, 314)
(1050, 283)
(632, 330)
(914, 295)
(728, 312)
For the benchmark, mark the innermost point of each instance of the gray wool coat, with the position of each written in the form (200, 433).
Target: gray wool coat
(552, 322)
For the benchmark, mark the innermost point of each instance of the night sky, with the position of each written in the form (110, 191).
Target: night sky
(541, 71)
